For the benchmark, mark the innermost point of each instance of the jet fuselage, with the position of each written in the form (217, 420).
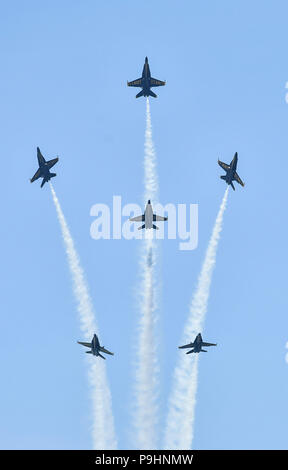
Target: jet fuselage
(146, 79)
(197, 344)
(148, 215)
(231, 172)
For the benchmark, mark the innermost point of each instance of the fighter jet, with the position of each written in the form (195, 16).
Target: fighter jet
(231, 174)
(146, 82)
(197, 345)
(44, 167)
(95, 347)
(148, 217)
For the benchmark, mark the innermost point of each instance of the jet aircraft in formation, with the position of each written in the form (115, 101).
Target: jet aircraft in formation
(196, 345)
(231, 174)
(95, 347)
(44, 168)
(146, 82)
(148, 218)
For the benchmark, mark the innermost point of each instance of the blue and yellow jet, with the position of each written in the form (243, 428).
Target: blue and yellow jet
(44, 168)
(146, 82)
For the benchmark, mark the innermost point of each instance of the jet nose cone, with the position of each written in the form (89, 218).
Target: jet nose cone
(149, 202)
(146, 59)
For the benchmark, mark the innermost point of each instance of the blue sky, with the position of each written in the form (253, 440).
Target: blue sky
(63, 88)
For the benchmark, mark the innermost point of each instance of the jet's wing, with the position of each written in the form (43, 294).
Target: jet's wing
(88, 345)
(139, 218)
(190, 345)
(208, 344)
(238, 179)
(137, 82)
(105, 351)
(40, 157)
(51, 163)
(36, 176)
(224, 165)
(159, 217)
(155, 82)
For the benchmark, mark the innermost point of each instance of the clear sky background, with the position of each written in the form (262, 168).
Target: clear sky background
(64, 67)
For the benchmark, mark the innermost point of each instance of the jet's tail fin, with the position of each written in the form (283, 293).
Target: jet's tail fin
(155, 227)
(232, 186)
(52, 175)
(101, 356)
(190, 352)
(203, 350)
(141, 93)
(151, 93)
(141, 228)
(43, 182)
(88, 352)
(223, 177)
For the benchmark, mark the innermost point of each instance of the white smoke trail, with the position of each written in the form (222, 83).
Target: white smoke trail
(179, 430)
(150, 172)
(103, 426)
(147, 370)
